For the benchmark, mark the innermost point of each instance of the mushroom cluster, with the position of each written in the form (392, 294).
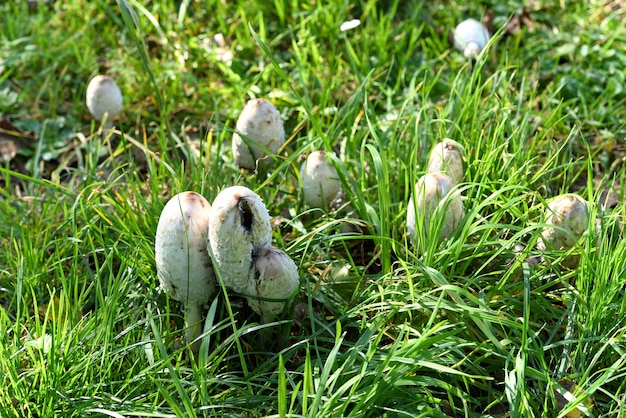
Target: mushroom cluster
(435, 200)
(240, 238)
(236, 230)
(436, 208)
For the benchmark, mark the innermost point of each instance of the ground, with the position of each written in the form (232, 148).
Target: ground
(479, 324)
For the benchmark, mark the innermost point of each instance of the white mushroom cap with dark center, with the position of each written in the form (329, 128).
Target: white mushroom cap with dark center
(434, 200)
(275, 277)
(470, 37)
(104, 98)
(259, 127)
(320, 181)
(569, 215)
(239, 225)
(447, 157)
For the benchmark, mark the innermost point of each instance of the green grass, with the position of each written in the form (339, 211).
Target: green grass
(463, 328)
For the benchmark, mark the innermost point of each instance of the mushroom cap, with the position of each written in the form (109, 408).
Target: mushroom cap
(104, 97)
(259, 126)
(275, 277)
(470, 37)
(447, 157)
(239, 225)
(569, 213)
(434, 196)
(320, 181)
(184, 268)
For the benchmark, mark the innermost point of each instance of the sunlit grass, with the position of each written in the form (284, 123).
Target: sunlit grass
(471, 326)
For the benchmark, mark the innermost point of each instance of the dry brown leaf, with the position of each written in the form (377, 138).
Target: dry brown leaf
(518, 22)
(564, 392)
(11, 140)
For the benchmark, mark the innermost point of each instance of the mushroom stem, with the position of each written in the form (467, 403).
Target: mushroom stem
(193, 326)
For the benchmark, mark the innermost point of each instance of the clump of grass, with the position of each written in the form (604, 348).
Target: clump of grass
(472, 326)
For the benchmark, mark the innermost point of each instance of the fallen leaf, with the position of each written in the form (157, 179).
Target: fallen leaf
(566, 391)
(518, 22)
(11, 140)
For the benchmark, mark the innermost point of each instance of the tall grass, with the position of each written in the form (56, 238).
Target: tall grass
(471, 326)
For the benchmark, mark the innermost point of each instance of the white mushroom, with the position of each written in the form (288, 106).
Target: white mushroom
(434, 203)
(470, 37)
(320, 181)
(447, 157)
(259, 128)
(567, 218)
(104, 99)
(239, 226)
(275, 281)
(184, 267)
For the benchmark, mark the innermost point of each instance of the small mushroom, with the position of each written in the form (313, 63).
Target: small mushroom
(238, 227)
(434, 201)
(567, 218)
(470, 37)
(184, 268)
(447, 157)
(320, 181)
(259, 128)
(104, 99)
(275, 281)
